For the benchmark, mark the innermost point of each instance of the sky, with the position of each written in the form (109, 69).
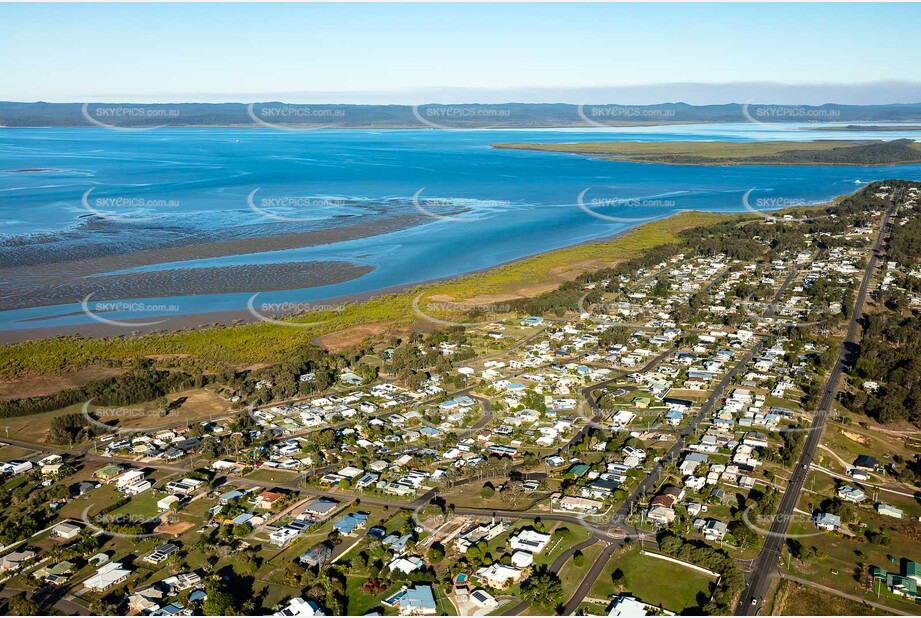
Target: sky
(414, 53)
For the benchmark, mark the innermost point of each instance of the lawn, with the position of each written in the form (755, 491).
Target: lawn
(360, 602)
(273, 475)
(652, 580)
(558, 544)
(142, 505)
(31, 428)
(572, 575)
(11, 452)
(200, 404)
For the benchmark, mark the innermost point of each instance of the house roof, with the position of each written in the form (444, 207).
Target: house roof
(419, 597)
(348, 523)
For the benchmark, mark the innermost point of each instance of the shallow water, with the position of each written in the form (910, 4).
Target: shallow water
(474, 206)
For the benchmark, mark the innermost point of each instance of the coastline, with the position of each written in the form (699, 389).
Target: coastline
(198, 321)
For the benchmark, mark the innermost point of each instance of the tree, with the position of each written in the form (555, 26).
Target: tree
(488, 491)
(436, 553)
(617, 576)
(543, 589)
(19, 605)
(743, 535)
(219, 601)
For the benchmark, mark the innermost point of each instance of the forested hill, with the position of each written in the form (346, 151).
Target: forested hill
(509, 115)
(873, 153)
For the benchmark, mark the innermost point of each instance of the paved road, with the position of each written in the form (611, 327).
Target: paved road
(591, 577)
(652, 478)
(522, 606)
(65, 606)
(765, 566)
(588, 395)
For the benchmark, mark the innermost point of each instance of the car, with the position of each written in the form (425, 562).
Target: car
(754, 601)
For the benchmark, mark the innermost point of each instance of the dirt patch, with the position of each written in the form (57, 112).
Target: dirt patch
(340, 340)
(176, 528)
(34, 386)
(856, 437)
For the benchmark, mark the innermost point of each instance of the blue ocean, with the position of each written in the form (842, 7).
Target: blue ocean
(462, 206)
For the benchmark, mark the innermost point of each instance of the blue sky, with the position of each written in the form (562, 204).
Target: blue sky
(402, 52)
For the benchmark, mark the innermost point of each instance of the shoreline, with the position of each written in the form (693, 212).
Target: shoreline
(194, 321)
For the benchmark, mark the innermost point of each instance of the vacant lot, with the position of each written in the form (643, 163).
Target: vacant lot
(794, 599)
(658, 582)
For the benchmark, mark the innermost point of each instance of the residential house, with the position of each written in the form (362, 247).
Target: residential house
(827, 521)
(416, 601)
(499, 575)
(889, 510)
(348, 524)
(299, 607)
(110, 574)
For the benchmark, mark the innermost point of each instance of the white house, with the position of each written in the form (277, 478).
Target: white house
(107, 576)
(530, 541)
(498, 575)
(137, 488)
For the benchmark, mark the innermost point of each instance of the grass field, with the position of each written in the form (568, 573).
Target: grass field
(572, 575)
(273, 475)
(141, 505)
(11, 452)
(654, 581)
(200, 404)
(32, 428)
(844, 558)
(793, 599)
(261, 342)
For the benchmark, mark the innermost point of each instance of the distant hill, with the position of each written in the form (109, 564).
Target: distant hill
(511, 115)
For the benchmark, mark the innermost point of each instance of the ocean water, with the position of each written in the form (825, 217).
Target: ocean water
(473, 206)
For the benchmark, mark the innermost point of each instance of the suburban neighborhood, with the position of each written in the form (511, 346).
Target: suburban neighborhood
(629, 456)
